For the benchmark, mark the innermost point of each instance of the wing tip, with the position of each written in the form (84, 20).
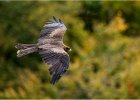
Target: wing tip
(52, 82)
(55, 78)
(60, 20)
(54, 20)
(57, 20)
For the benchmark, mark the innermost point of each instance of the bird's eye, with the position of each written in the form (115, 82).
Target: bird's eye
(66, 49)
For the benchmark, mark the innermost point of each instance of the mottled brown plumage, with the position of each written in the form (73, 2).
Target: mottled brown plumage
(51, 48)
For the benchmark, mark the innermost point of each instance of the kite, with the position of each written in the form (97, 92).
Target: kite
(51, 48)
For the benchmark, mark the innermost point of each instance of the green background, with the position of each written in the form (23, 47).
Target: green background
(104, 37)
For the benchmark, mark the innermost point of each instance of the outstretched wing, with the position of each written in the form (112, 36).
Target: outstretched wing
(58, 60)
(54, 28)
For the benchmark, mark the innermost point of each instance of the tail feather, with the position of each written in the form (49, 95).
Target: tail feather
(24, 46)
(25, 49)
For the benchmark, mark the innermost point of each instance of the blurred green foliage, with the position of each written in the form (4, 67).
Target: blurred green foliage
(104, 37)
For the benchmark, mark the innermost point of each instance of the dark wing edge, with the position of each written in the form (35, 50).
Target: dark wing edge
(51, 26)
(59, 68)
(59, 63)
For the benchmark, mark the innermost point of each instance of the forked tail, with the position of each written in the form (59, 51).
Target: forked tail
(25, 49)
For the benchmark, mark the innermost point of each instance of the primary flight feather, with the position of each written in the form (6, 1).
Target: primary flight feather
(51, 48)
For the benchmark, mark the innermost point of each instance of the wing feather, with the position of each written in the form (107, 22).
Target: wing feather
(55, 27)
(51, 48)
(59, 62)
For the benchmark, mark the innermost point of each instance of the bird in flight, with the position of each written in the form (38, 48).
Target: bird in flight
(51, 48)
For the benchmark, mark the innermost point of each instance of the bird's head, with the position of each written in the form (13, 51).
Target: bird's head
(67, 49)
